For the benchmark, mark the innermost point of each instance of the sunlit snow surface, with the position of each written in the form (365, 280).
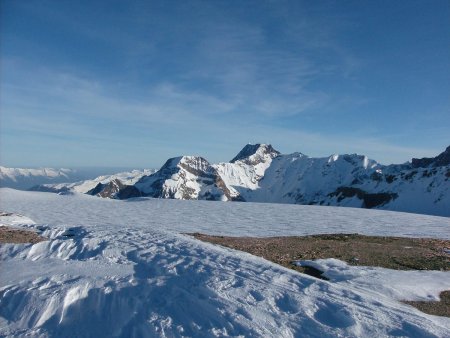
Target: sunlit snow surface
(128, 272)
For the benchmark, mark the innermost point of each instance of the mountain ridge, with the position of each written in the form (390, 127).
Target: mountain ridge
(259, 173)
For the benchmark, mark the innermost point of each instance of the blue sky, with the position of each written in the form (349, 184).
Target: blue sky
(132, 83)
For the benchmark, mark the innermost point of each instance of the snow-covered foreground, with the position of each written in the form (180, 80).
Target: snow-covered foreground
(128, 272)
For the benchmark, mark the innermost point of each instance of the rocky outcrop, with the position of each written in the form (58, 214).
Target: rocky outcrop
(253, 154)
(442, 159)
(368, 200)
(49, 188)
(186, 177)
(115, 189)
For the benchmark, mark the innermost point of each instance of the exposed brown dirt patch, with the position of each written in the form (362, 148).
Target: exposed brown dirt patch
(397, 253)
(12, 235)
(441, 308)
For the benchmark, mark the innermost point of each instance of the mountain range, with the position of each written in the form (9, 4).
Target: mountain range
(259, 173)
(27, 178)
(22, 178)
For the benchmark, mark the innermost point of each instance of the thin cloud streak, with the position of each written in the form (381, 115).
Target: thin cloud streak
(84, 112)
(201, 76)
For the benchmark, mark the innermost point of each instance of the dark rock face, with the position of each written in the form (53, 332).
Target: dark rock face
(422, 162)
(115, 189)
(378, 199)
(168, 169)
(128, 191)
(157, 189)
(440, 160)
(45, 188)
(252, 149)
(443, 158)
(198, 166)
(219, 183)
(96, 190)
(347, 192)
(390, 178)
(369, 200)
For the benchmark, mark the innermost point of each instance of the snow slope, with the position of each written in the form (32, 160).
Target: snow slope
(105, 274)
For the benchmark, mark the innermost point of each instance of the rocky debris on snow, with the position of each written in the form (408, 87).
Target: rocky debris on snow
(400, 253)
(14, 235)
(437, 308)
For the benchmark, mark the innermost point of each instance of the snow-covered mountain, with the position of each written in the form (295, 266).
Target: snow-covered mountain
(120, 186)
(354, 181)
(20, 178)
(259, 173)
(186, 177)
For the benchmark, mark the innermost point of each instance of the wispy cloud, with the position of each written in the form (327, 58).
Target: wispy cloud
(168, 80)
(65, 109)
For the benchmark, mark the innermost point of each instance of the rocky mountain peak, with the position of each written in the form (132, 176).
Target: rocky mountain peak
(194, 161)
(259, 173)
(196, 165)
(115, 189)
(440, 160)
(255, 153)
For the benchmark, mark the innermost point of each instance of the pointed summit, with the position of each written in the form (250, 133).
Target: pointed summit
(192, 164)
(256, 153)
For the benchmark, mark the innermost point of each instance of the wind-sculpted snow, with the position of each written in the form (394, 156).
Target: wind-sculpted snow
(114, 279)
(396, 284)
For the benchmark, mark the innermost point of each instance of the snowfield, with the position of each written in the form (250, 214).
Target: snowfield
(123, 269)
